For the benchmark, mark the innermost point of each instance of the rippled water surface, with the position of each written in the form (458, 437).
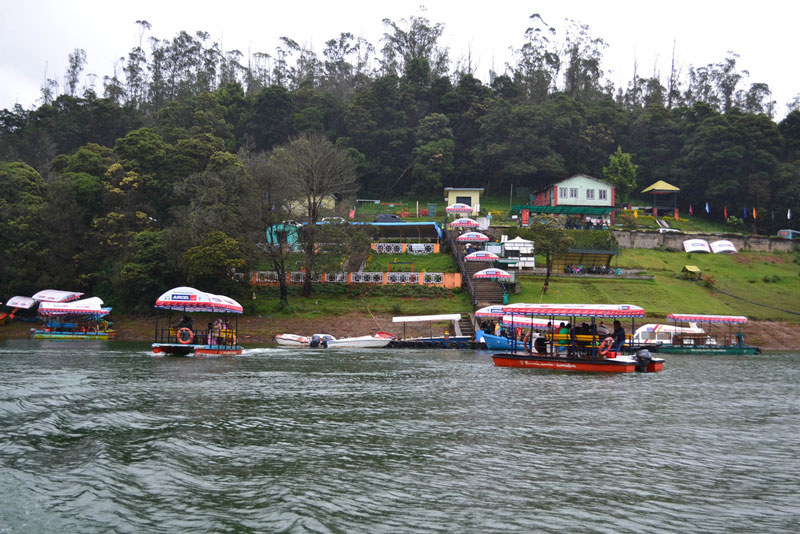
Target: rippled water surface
(104, 437)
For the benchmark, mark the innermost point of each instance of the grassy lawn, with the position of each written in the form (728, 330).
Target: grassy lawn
(430, 263)
(336, 299)
(761, 278)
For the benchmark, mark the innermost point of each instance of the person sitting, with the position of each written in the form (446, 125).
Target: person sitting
(602, 329)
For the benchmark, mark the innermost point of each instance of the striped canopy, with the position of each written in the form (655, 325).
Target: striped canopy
(577, 310)
(189, 299)
(93, 306)
(490, 311)
(492, 272)
(481, 255)
(525, 321)
(464, 222)
(56, 295)
(458, 208)
(472, 237)
(697, 318)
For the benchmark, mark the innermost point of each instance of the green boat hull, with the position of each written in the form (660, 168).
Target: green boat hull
(709, 349)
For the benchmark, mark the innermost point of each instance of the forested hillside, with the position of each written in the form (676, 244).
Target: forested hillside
(152, 183)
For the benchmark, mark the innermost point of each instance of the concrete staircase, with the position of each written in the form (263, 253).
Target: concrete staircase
(487, 292)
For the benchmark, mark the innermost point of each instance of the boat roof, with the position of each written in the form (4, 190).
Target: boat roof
(495, 310)
(525, 321)
(93, 306)
(420, 318)
(189, 299)
(56, 295)
(578, 310)
(24, 303)
(697, 318)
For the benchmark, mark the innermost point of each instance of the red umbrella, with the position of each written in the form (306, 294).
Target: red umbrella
(464, 222)
(472, 237)
(492, 273)
(481, 255)
(458, 208)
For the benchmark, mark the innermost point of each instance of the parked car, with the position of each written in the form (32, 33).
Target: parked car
(333, 220)
(387, 217)
(669, 231)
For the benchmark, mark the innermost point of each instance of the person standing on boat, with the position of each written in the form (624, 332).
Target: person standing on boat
(740, 339)
(563, 333)
(619, 336)
(186, 322)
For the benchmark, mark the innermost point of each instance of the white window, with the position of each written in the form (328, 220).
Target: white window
(590, 194)
(562, 192)
(602, 194)
(573, 192)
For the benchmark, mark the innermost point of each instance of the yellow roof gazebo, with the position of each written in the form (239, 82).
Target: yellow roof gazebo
(661, 190)
(691, 271)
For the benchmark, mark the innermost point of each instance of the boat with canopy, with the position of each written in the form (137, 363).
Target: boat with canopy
(581, 349)
(183, 338)
(686, 341)
(74, 320)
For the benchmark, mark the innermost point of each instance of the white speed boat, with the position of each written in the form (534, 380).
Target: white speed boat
(379, 340)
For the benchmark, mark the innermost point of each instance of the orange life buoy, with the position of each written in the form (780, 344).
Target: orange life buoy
(605, 345)
(185, 336)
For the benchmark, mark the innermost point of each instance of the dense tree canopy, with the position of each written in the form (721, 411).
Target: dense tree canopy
(173, 172)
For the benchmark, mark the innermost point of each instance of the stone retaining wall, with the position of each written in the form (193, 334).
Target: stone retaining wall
(673, 240)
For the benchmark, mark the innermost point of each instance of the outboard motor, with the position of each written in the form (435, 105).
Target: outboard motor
(314, 341)
(643, 358)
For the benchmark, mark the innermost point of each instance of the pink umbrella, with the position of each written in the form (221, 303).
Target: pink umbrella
(481, 255)
(493, 273)
(464, 222)
(458, 208)
(472, 237)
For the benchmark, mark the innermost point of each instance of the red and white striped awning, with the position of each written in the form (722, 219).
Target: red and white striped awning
(697, 318)
(464, 222)
(577, 310)
(481, 255)
(90, 306)
(190, 299)
(472, 237)
(493, 273)
(458, 207)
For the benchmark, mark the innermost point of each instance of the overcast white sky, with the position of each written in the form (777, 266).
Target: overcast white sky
(36, 36)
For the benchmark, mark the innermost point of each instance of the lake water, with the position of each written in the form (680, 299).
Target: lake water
(104, 437)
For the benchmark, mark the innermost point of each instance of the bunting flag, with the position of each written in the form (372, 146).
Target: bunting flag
(690, 210)
(726, 213)
(707, 210)
(744, 212)
(754, 213)
(789, 213)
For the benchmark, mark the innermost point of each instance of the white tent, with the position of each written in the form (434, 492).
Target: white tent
(520, 245)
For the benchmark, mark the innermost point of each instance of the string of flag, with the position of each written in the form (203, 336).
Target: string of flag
(744, 212)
